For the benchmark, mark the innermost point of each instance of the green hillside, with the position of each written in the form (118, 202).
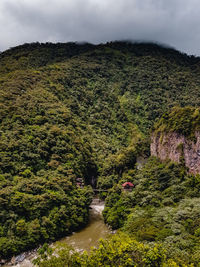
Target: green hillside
(78, 110)
(184, 121)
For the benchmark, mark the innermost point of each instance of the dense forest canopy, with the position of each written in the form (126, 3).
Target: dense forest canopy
(81, 110)
(185, 121)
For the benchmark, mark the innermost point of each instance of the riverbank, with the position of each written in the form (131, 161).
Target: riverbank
(82, 240)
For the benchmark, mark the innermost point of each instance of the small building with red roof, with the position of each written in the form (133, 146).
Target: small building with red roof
(127, 186)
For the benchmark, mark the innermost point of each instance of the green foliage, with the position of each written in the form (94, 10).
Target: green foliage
(81, 110)
(184, 121)
(40, 209)
(163, 207)
(120, 250)
(156, 183)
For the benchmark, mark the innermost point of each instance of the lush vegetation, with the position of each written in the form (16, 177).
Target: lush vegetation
(71, 111)
(163, 208)
(184, 121)
(120, 250)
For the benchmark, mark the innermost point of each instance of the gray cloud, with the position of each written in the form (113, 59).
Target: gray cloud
(174, 22)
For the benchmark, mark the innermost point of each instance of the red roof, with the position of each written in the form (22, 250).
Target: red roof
(128, 183)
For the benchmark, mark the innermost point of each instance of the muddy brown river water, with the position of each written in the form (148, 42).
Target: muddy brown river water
(89, 236)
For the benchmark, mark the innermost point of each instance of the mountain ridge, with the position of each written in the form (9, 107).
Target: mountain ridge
(71, 111)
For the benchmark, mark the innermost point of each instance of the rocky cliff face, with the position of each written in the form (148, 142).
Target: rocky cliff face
(175, 147)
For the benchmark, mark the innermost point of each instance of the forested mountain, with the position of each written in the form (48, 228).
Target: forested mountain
(71, 111)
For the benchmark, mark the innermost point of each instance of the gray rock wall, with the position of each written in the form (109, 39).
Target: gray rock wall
(173, 146)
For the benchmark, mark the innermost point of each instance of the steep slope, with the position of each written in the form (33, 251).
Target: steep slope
(71, 110)
(176, 137)
(163, 206)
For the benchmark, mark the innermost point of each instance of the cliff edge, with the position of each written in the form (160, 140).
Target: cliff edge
(176, 136)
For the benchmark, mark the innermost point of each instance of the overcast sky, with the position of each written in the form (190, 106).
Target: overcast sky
(173, 22)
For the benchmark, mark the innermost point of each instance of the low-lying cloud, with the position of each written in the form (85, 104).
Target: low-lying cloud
(174, 22)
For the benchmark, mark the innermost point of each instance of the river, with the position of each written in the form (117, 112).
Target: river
(89, 236)
(82, 240)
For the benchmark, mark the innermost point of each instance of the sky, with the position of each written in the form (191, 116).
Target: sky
(172, 22)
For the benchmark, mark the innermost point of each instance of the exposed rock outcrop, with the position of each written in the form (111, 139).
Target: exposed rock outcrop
(177, 147)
